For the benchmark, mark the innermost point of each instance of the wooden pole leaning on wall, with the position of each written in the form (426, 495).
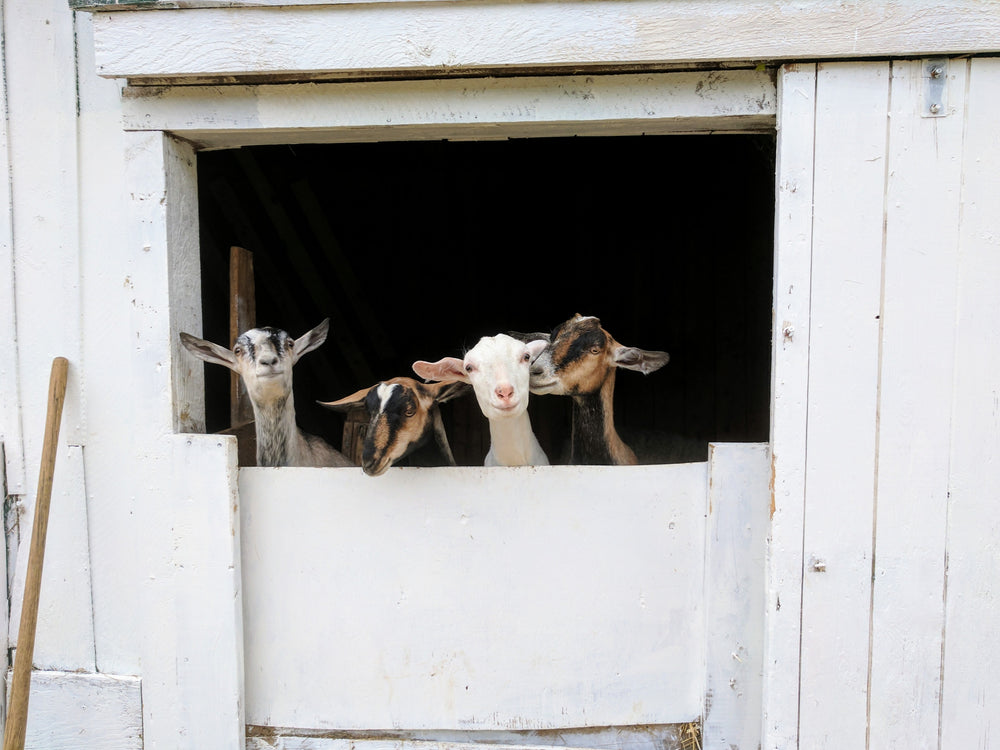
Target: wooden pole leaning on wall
(17, 714)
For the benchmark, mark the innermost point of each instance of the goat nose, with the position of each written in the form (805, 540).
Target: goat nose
(268, 360)
(504, 391)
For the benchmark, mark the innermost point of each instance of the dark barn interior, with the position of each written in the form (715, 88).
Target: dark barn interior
(416, 249)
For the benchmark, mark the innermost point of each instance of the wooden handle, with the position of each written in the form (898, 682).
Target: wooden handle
(17, 716)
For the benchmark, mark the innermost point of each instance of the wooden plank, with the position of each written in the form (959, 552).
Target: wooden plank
(923, 209)
(480, 108)
(663, 737)
(80, 711)
(971, 698)
(852, 102)
(738, 509)
(242, 317)
(11, 436)
(789, 378)
(191, 601)
(450, 37)
(65, 639)
(473, 598)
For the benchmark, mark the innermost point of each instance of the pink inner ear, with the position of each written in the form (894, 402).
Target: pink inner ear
(444, 370)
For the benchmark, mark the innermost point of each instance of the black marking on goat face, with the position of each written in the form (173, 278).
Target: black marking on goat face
(279, 340)
(389, 407)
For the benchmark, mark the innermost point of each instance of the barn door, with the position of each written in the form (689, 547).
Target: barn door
(486, 599)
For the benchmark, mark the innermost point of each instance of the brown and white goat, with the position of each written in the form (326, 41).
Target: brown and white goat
(580, 361)
(403, 416)
(264, 358)
(498, 369)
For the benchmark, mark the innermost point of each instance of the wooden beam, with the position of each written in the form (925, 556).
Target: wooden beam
(242, 317)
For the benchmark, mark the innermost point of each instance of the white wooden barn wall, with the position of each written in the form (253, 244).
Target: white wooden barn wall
(883, 562)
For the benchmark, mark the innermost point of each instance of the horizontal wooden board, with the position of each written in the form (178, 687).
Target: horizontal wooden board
(482, 108)
(473, 598)
(84, 712)
(450, 37)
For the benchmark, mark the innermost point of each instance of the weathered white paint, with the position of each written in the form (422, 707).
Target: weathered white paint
(478, 108)
(10, 406)
(933, 662)
(315, 741)
(310, 40)
(923, 213)
(191, 603)
(65, 632)
(789, 378)
(115, 429)
(474, 598)
(76, 711)
(970, 701)
(850, 149)
(736, 526)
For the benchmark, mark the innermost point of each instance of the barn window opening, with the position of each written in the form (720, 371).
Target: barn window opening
(415, 249)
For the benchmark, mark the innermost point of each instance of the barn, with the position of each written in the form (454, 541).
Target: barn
(799, 200)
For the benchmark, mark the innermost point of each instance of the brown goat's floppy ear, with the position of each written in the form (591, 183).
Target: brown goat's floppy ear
(348, 402)
(447, 391)
(209, 352)
(640, 360)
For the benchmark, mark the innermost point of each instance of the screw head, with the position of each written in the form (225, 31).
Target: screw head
(935, 108)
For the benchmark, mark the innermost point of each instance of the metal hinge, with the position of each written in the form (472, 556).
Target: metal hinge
(935, 75)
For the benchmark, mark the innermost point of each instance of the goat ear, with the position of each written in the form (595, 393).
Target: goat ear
(310, 339)
(446, 370)
(526, 337)
(209, 352)
(536, 347)
(347, 402)
(640, 360)
(447, 391)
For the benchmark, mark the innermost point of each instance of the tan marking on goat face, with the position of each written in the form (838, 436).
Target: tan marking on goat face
(400, 420)
(582, 355)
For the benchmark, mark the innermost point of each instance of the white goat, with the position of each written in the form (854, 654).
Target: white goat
(264, 358)
(498, 369)
(580, 361)
(403, 416)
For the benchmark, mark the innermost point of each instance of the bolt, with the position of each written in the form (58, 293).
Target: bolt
(819, 566)
(935, 108)
(937, 72)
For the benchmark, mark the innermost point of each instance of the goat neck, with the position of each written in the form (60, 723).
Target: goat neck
(513, 443)
(594, 439)
(277, 432)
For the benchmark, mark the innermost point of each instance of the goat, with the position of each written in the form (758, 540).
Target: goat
(263, 358)
(498, 369)
(403, 416)
(580, 360)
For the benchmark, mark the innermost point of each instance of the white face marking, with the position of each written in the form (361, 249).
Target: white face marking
(384, 394)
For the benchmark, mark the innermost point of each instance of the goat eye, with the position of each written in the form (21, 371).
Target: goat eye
(289, 344)
(526, 357)
(595, 350)
(410, 411)
(238, 351)
(469, 368)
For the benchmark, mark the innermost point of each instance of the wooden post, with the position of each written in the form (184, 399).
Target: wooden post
(17, 718)
(242, 317)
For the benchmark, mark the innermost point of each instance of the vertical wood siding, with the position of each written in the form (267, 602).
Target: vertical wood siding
(849, 180)
(970, 699)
